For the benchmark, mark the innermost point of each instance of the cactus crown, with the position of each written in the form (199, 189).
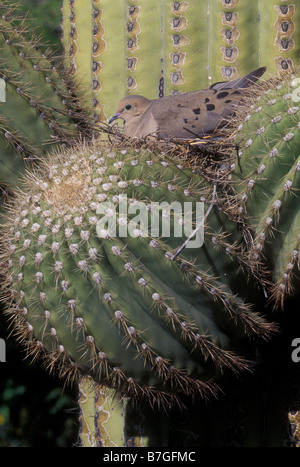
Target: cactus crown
(92, 298)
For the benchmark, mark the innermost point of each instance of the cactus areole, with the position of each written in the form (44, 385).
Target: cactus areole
(93, 291)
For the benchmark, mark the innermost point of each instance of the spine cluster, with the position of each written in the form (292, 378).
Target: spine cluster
(39, 110)
(268, 187)
(119, 308)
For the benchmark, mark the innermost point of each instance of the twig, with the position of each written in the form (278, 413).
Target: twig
(179, 250)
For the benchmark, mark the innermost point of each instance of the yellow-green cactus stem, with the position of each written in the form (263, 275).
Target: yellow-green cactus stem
(80, 55)
(143, 47)
(66, 31)
(101, 416)
(279, 48)
(255, 34)
(106, 420)
(184, 48)
(294, 419)
(233, 40)
(155, 48)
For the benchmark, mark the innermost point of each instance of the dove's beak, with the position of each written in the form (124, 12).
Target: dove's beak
(114, 117)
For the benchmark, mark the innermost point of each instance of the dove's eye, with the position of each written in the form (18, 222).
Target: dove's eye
(128, 106)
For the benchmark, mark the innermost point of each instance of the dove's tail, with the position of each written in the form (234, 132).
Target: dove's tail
(243, 82)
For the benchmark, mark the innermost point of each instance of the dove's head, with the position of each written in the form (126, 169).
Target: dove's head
(130, 107)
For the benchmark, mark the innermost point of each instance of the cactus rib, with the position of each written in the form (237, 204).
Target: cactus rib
(171, 338)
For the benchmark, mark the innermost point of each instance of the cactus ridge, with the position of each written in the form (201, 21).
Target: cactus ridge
(72, 281)
(269, 139)
(39, 110)
(158, 48)
(43, 68)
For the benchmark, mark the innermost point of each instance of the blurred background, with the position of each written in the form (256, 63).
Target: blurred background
(35, 407)
(45, 15)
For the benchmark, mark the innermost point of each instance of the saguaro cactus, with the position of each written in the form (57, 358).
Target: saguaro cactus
(155, 48)
(39, 109)
(72, 280)
(268, 185)
(127, 311)
(73, 290)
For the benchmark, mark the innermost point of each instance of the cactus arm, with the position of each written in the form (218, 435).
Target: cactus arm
(43, 74)
(269, 159)
(177, 331)
(38, 110)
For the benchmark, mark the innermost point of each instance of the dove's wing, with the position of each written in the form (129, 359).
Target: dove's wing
(199, 113)
(243, 82)
(193, 114)
(188, 115)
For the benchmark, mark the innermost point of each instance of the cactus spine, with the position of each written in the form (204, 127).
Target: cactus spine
(269, 138)
(73, 281)
(54, 240)
(39, 110)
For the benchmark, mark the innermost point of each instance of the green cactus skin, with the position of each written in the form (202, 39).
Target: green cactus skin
(252, 34)
(156, 48)
(39, 110)
(107, 43)
(119, 309)
(66, 32)
(81, 39)
(233, 38)
(269, 139)
(216, 283)
(295, 422)
(142, 45)
(184, 49)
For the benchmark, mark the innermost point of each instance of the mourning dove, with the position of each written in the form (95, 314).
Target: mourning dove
(184, 116)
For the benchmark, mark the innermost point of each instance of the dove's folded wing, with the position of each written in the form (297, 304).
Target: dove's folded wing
(193, 114)
(184, 116)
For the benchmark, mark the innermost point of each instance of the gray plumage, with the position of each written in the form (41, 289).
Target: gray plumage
(187, 115)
